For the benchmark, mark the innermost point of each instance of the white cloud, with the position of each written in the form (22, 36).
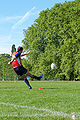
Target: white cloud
(10, 18)
(23, 18)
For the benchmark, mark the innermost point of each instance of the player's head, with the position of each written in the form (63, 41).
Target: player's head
(20, 49)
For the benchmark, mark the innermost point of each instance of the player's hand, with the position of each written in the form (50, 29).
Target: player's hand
(28, 52)
(9, 62)
(25, 54)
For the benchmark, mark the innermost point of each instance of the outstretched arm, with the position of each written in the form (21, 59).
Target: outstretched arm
(25, 54)
(11, 61)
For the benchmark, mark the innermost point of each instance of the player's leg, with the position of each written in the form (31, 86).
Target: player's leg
(21, 71)
(33, 76)
(26, 72)
(26, 81)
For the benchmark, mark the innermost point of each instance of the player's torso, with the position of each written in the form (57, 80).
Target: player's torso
(17, 61)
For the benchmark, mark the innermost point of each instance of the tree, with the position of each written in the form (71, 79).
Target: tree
(55, 37)
(13, 48)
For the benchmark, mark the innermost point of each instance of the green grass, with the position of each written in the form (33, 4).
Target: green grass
(56, 101)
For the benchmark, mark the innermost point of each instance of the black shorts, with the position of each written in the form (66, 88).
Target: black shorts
(20, 70)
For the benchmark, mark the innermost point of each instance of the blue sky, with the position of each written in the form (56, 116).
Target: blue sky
(16, 15)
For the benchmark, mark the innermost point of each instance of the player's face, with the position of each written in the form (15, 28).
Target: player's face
(20, 51)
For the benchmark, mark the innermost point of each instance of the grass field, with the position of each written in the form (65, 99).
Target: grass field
(56, 101)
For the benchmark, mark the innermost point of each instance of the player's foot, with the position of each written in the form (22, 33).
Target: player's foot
(30, 87)
(40, 77)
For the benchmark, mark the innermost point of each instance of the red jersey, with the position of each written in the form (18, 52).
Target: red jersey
(17, 61)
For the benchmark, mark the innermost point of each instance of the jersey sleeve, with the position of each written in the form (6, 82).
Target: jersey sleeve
(17, 55)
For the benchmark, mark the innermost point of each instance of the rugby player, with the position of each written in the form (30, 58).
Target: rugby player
(18, 67)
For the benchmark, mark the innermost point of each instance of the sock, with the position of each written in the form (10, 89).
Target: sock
(26, 81)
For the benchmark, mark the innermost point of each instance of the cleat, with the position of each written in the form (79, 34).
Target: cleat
(40, 77)
(30, 87)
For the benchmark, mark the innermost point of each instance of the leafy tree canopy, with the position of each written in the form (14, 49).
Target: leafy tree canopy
(55, 38)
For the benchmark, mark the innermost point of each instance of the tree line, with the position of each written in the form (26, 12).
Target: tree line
(6, 71)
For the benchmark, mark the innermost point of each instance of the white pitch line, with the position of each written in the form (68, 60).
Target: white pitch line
(48, 112)
(10, 115)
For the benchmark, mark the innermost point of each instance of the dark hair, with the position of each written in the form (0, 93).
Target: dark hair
(19, 48)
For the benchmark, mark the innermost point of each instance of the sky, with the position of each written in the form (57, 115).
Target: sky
(16, 15)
